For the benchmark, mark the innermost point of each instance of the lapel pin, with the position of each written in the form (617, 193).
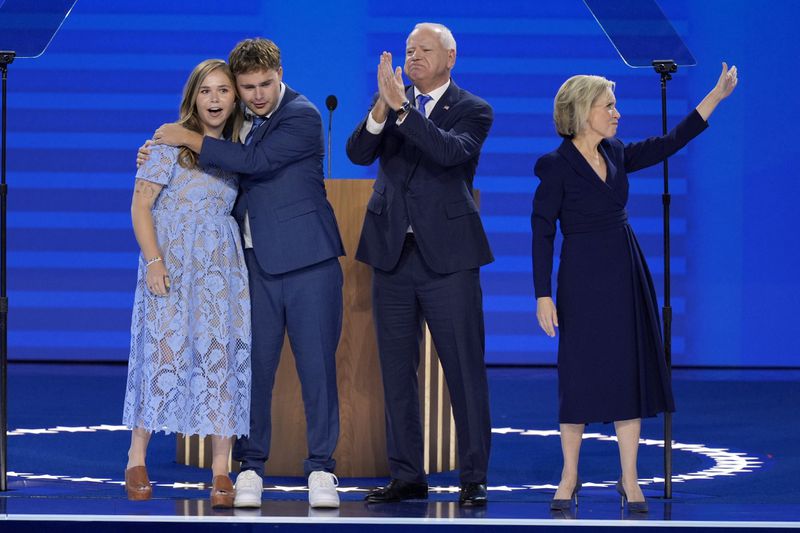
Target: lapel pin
(446, 107)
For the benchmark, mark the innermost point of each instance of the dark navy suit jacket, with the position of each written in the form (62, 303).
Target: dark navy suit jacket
(425, 178)
(282, 187)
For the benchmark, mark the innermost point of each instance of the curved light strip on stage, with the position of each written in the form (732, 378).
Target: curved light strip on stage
(726, 462)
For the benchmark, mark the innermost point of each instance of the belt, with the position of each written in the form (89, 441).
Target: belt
(615, 220)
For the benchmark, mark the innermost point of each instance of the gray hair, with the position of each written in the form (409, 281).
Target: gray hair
(445, 35)
(574, 100)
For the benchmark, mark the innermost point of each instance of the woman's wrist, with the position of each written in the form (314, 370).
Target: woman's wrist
(155, 259)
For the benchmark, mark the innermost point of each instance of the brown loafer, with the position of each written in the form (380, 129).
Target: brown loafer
(137, 484)
(222, 493)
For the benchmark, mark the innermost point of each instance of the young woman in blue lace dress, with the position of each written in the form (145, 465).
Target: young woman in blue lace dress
(189, 366)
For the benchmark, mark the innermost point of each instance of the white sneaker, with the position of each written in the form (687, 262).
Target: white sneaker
(322, 489)
(249, 487)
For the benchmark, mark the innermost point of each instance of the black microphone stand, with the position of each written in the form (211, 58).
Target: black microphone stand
(330, 121)
(6, 58)
(665, 68)
(330, 102)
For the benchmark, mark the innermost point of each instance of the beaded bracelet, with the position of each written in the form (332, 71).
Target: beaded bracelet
(156, 259)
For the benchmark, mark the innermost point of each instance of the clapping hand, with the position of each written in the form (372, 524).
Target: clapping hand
(390, 82)
(391, 93)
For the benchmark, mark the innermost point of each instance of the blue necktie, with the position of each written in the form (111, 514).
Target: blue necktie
(423, 99)
(257, 122)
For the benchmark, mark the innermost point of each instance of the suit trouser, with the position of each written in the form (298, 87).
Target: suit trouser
(307, 304)
(452, 306)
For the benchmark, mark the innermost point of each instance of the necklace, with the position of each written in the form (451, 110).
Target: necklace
(593, 157)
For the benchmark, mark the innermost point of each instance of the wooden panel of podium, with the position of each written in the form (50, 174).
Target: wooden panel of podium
(361, 451)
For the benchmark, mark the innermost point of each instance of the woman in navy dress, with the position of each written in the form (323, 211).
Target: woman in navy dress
(611, 364)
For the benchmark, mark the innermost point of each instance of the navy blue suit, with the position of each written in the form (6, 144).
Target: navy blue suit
(425, 174)
(295, 277)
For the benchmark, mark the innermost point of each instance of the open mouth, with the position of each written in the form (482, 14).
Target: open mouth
(215, 112)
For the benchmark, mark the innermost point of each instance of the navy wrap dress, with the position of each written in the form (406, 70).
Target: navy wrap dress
(611, 363)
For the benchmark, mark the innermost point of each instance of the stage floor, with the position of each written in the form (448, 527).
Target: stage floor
(736, 462)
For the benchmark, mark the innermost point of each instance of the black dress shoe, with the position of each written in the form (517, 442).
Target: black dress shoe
(397, 491)
(472, 495)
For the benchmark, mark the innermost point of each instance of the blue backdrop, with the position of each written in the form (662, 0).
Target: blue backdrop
(115, 72)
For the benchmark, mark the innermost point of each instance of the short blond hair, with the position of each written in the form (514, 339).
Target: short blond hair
(574, 100)
(253, 55)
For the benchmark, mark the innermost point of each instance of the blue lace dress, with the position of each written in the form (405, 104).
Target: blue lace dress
(189, 365)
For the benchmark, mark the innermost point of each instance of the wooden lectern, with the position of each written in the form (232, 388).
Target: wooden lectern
(361, 451)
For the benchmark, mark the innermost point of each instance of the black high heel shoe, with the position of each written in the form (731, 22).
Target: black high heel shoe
(633, 507)
(564, 505)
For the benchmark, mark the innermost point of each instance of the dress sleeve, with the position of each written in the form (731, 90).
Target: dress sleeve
(646, 153)
(546, 210)
(158, 169)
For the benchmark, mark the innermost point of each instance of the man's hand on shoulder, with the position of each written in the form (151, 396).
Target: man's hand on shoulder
(143, 154)
(174, 134)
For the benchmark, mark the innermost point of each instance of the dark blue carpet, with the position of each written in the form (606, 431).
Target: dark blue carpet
(753, 413)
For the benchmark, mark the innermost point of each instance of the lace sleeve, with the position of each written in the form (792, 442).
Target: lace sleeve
(158, 169)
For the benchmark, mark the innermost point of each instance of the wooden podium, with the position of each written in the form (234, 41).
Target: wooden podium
(361, 451)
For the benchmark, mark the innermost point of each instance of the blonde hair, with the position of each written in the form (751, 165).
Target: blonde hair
(253, 55)
(189, 117)
(574, 100)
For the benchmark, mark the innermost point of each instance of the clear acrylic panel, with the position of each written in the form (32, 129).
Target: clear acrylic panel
(640, 32)
(28, 26)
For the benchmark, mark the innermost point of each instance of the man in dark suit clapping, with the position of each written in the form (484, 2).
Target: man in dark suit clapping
(424, 239)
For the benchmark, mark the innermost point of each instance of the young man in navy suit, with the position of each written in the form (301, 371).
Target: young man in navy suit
(424, 239)
(292, 245)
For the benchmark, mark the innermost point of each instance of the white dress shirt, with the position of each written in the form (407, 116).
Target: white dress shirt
(246, 127)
